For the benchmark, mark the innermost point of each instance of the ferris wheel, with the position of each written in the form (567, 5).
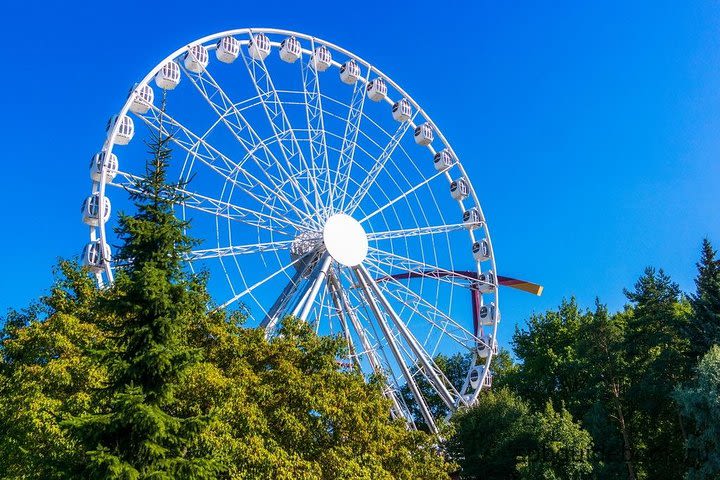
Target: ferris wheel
(319, 188)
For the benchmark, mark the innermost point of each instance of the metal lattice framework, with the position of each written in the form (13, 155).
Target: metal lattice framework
(319, 188)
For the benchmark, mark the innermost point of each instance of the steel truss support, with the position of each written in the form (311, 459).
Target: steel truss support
(342, 305)
(364, 280)
(432, 373)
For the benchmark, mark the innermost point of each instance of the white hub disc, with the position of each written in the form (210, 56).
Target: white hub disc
(345, 240)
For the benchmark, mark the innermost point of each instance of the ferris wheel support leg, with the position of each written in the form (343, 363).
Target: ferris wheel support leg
(333, 288)
(317, 283)
(429, 367)
(272, 316)
(343, 303)
(424, 410)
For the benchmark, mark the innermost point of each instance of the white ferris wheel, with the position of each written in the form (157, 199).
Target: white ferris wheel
(319, 188)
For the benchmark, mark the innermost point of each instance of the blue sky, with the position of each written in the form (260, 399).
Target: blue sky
(595, 128)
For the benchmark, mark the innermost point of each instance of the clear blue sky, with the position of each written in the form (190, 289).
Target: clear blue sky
(598, 126)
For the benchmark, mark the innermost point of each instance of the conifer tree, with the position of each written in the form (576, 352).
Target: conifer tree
(703, 329)
(152, 303)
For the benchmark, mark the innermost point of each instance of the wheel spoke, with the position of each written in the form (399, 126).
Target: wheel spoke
(414, 232)
(191, 144)
(279, 121)
(248, 138)
(402, 196)
(378, 167)
(219, 208)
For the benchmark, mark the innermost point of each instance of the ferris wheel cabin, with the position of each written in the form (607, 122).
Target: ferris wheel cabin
(376, 89)
(259, 46)
(472, 218)
(290, 50)
(95, 254)
(91, 212)
(227, 49)
(196, 58)
(349, 72)
(125, 130)
(443, 160)
(321, 58)
(424, 134)
(102, 162)
(142, 99)
(401, 110)
(168, 77)
(486, 282)
(481, 250)
(459, 189)
(487, 315)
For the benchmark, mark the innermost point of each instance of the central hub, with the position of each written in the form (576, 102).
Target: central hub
(345, 240)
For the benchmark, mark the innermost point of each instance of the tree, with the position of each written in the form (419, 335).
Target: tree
(655, 352)
(601, 349)
(703, 329)
(550, 367)
(560, 450)
(286, 411)
(151, 305)
(46, 376)
(700, 403)
(500, 438)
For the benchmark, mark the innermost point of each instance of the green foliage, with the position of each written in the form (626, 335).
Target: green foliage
(46, 377)
(140, 380)
(703, 329)
(551, 367)
(138, 433)
(560, 447)
(500, 438)
(700, 403)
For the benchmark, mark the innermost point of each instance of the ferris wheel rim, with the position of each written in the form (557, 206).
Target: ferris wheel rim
(99, 233)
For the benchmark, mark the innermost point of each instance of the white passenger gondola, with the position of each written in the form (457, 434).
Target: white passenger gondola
(227, 49)
(443, 160)
(459, 189)
(125, 130)
(321, 58)
(424, 134)
(481, 250)
(142, 98)
(196, 58)
(402, 110)
(488, 315)
(259, 46)
(349, 72)
(91, 211)
(168, 77)
(472, 218)
(486, 282)
(476, 374)
(376, 89)
(486, 346)
(290, 49)
(101, 161)
(95, 255)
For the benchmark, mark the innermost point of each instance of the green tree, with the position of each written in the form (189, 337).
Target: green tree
(561, 449)
(500, 438)
(601, 344)
(286, 411)
(700, 403)
(703, 329)
(46, 376)
(550, 367)
(152, 303)
(655, 352)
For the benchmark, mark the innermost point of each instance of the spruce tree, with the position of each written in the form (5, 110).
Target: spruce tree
(152, 303)
(703, 329)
